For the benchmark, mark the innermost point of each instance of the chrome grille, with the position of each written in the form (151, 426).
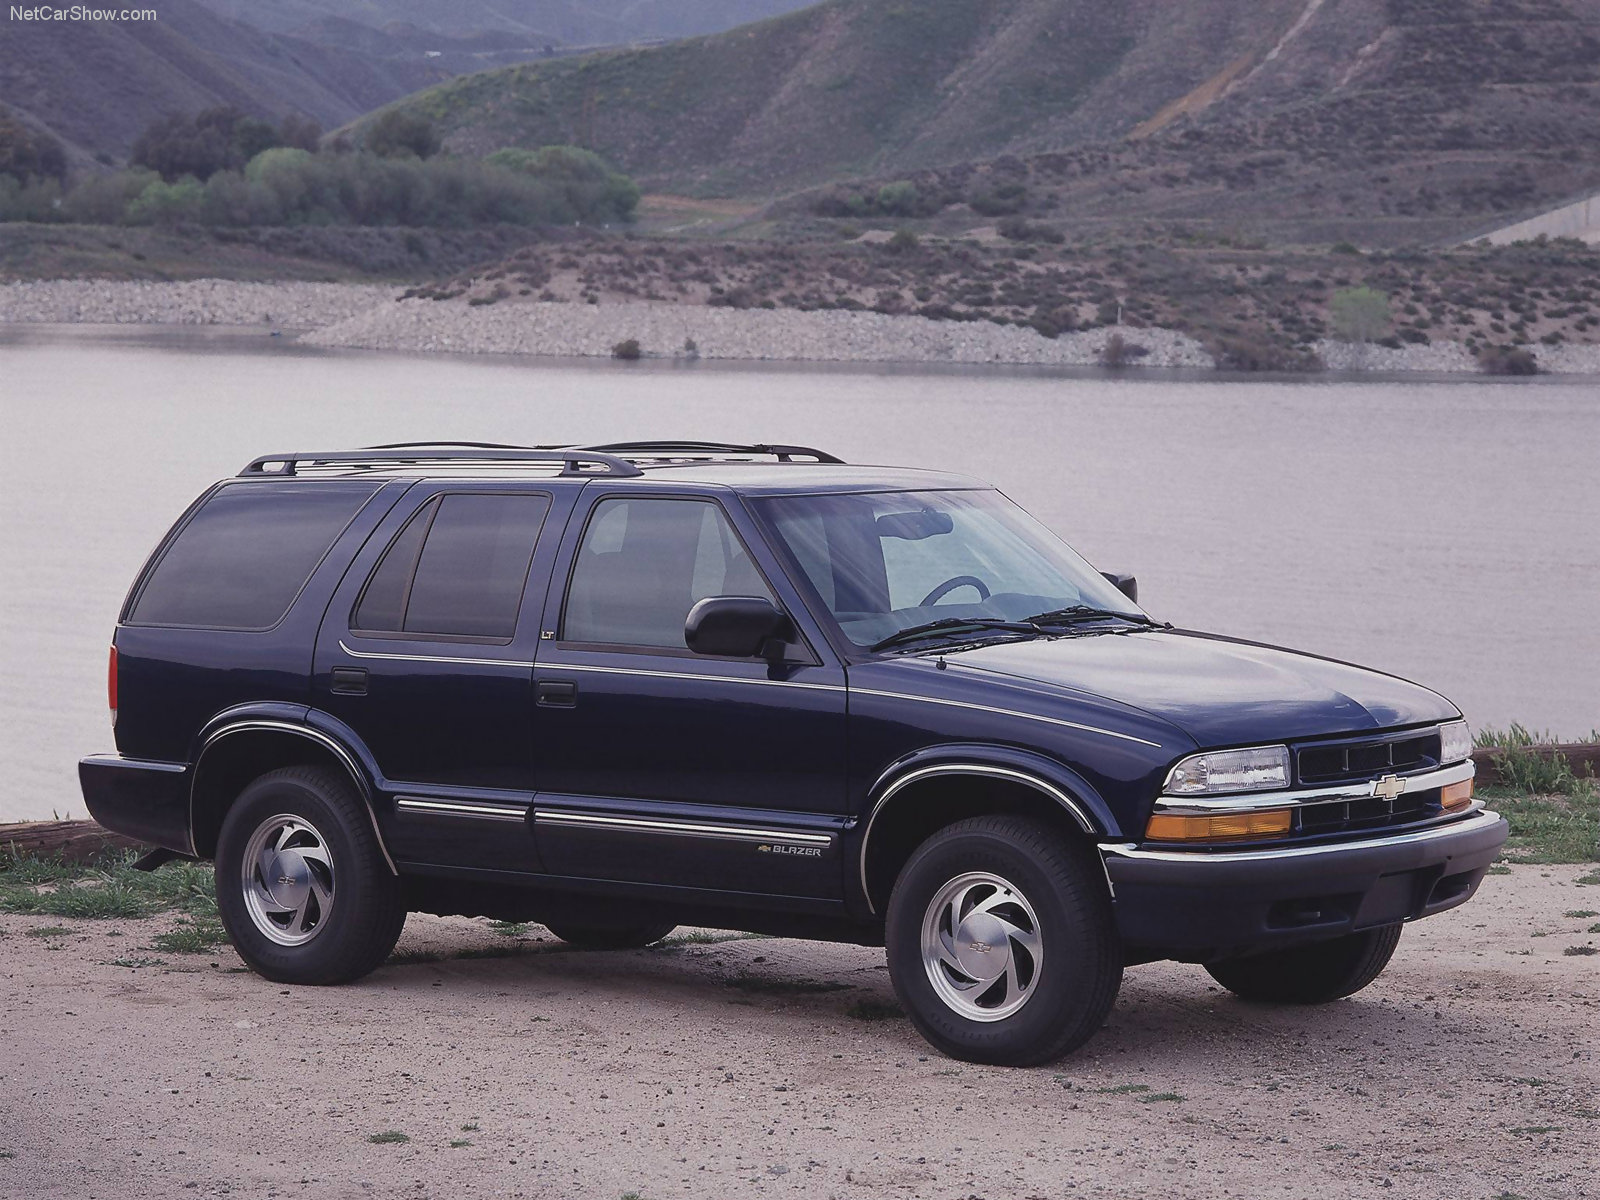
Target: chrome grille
(1367, 758)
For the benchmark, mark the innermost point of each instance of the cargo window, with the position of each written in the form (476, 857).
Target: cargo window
(241, 560)
(457, 569)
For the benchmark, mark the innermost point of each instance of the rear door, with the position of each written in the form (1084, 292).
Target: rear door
(426, 653)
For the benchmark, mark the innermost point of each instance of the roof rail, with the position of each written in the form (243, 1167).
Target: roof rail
(671, 449)
(575, 460)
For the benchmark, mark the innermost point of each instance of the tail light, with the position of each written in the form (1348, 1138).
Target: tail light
(111, 685)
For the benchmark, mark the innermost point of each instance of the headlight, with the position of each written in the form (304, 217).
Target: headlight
(1455, 742)
(1257, 770)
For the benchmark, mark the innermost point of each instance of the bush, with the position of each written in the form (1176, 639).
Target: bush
(1360, 314)
(215, 139)
(900, 199)
(903, 241)
(1507, 360)
(27, 154)
(398, 132)
(628, 351)
(1118, 352)
(591, 189)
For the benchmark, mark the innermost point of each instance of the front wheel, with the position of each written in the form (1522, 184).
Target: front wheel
(1001, 942)
(302, 886)
(1313, 974)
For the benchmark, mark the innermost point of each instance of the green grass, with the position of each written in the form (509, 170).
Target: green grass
(1551, 828)
(192, 935)
(1159, 1097)
(388, 1137)
(1523, 770)
(104, 890)
(49, 931)
(1123, 1089)
(1579, 951)
(510, 929)
(458, 1143)
(1578, 914)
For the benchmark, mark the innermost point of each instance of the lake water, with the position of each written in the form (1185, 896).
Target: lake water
(1445, 531)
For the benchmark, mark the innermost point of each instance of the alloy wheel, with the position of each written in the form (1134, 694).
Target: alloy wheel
(288, 879)
(981, 946)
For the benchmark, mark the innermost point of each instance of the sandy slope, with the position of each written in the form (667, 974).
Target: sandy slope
(699, 1071)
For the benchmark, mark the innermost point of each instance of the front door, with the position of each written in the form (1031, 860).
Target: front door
(663, 766)
(426, 653)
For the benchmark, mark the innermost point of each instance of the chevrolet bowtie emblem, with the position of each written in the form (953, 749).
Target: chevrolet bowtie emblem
(1389, 787)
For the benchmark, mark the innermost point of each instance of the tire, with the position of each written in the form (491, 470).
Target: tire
(1313, 974)
(607, 936)
(1019, 885)
(302, 886)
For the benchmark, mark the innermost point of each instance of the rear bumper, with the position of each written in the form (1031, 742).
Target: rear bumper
(1196, 906)
(139, 798)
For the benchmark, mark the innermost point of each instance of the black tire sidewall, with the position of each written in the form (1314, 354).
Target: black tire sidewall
(366, 908)
(1080, 950)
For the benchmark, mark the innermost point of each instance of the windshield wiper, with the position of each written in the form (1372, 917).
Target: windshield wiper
(1074, 613)
(950, 625)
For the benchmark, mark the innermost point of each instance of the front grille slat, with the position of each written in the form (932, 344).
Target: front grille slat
(1362, 760)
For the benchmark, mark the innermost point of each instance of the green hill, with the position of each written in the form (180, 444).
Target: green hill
(1160, 109)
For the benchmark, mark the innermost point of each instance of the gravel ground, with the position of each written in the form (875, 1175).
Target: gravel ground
(1470, 1069)
(367, 316)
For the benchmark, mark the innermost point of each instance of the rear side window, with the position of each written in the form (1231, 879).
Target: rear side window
(457, 569)
(243, 558)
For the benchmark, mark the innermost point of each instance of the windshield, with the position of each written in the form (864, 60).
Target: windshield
(889, 561)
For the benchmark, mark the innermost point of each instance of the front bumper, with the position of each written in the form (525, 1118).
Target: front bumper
(139, 798)
(1198, 905)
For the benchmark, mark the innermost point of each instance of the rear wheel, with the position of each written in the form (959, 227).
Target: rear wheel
(1313, 974)
(1001, 942)
(600, 935)
(302, 885)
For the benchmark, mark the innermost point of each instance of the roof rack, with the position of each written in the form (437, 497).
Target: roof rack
(574, 460)
(679, 450)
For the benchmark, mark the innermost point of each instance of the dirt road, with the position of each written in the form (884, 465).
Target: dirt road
(717, 1070)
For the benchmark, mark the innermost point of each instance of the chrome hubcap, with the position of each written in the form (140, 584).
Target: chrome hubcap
(288, 879)
(981, 946)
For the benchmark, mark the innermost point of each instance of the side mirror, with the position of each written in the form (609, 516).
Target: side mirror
(736, 627)
(1126, 584)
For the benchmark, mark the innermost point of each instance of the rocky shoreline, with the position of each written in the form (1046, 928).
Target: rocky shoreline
(376, 317)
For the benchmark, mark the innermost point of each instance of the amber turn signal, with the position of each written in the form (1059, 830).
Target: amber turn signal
(1219, 827)
(1455, 795)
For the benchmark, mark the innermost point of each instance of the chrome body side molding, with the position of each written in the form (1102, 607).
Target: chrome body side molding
(331, 744)
(570, 818)
(482, 810)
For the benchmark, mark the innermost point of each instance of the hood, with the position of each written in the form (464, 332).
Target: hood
(1219, 691)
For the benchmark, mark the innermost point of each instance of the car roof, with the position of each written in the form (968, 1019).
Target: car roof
(766, 469)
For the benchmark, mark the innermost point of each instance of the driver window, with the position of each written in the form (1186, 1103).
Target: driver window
(644, 563)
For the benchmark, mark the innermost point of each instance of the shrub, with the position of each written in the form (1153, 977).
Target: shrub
(1507, 360)
(1360, 314)
(398, 133)
(591, 189)
(29, 154)
(1118, 352)
(904, 240)
(163, 203)
(215, 139)
(900, 199)
(628, 351)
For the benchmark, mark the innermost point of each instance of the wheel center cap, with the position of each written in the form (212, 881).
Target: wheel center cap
(288, 878)
(981, 946)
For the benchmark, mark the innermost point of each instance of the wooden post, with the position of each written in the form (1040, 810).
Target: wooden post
(71, 841)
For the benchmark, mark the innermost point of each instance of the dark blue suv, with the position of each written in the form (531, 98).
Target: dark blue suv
(617, 689)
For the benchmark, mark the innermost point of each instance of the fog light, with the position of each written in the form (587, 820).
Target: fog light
(1455, 795)
(1219, 827)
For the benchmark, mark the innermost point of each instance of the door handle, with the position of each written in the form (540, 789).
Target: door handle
(348, 681)
(557, 693)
